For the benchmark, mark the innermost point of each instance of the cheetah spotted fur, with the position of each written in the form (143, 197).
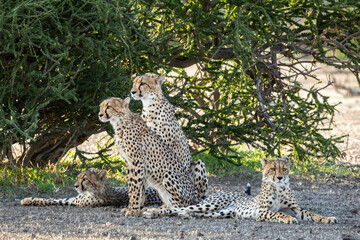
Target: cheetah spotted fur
(95, 191)
(149, 160)
(275, 201)
(159, 115)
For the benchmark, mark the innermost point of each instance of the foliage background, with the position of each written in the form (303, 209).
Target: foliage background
(59, 59)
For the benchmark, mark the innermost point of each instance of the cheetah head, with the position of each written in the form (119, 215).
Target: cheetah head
(147, 85)
(113, 109)
(91, 181)
(276, 171)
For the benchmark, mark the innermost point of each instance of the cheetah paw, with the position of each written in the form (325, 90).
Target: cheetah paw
(150, 213)
(130, 212)
(330, 220)
(26, 201)
(184, 214)
(291, 220)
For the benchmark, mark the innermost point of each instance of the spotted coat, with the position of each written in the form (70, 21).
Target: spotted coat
(149, 160)
(159, 115)
(275, 202)
(95, 191)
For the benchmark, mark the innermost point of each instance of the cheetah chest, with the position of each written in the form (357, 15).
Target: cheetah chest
(277, 200)
(121, 150)
(276, 205)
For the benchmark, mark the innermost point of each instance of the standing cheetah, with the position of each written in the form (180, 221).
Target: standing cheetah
(275, 202)
(159, 116)
(149, 160)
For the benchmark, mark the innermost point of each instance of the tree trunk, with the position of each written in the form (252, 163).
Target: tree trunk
(49, 148)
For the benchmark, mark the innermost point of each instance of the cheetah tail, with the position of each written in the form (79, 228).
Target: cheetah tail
(248, 189)
(31, 201)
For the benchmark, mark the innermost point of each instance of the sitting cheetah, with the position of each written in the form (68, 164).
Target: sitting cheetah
(274, 202)
(149, 160)
(95, 191)
(159, 116)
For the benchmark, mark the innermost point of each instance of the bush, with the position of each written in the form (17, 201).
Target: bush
(59, 59)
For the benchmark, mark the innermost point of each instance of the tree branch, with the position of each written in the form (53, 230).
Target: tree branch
(184, 62)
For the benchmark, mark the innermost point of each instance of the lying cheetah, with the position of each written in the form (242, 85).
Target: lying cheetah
(275, 202)
(95, 191)
(149, 160)
(159, 115)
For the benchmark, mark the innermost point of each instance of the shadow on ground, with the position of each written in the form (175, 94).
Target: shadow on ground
(339, 198)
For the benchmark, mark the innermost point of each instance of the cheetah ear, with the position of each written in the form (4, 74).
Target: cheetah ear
(126, 102)
(133, 77)
(161, 79)
(263, 162)
(286, 158)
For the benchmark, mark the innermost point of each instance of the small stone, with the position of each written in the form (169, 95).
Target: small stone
(354, 211)
(199, 234)
(132, 238)
(347, 237)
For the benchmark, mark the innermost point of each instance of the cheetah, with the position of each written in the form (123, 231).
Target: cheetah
(159, 115)
(275, 201)
(149, 160)
(95, 191)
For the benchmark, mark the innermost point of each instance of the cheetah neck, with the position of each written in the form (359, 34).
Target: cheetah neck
(125, 122)
(155, 107)
(271, 188)
(152, 100)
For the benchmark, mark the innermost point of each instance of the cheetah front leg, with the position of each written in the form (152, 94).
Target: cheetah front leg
(290, 205)
(305, 215)
(136, 192)
(267, 215)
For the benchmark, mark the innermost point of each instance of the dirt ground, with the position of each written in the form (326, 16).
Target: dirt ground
(339, 198)
(331, 197)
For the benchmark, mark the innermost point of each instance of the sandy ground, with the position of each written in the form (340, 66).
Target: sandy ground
(333, 197)
(338, 198)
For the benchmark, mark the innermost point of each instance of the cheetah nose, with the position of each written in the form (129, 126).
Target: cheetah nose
(100, 114)
(279, 177)
(133, 92)
(76, 186)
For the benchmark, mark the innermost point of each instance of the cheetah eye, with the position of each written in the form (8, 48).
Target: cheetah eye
(141, 84)
(272, 169)
(107, 108)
